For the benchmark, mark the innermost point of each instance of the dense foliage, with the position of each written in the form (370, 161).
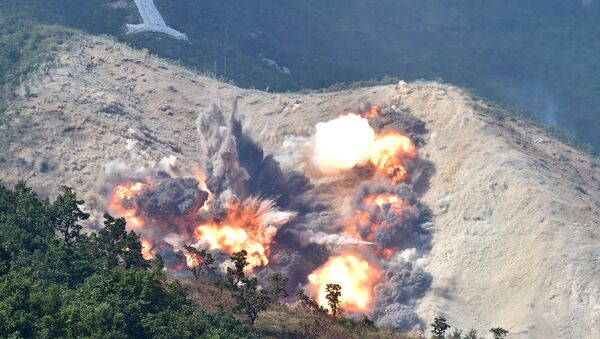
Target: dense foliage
(532, 55)
(58, 282)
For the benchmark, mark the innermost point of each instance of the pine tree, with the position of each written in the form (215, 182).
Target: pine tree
(66, 214)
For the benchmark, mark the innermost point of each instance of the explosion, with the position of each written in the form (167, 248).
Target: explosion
(372, 112)
(370, 215)
(342, 144)
(388, 153)
(349, 141)
(125, 192)
(147, 249)
(241, 199)
(356, 277)
(250, 226)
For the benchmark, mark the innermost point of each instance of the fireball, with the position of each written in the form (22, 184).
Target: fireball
(349, 141)
(355, 275)
(233, 239)
(147, 251)
(369, 216)
(388, 153)
(122, 193)
(342, 143)
(249, 226)
(373, 112)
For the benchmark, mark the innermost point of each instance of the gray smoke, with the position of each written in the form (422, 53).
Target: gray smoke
(394, 227)
(331, 240)
(397, 294)
(237, 170)
(220, 153)
(399, 119)
(171, 199)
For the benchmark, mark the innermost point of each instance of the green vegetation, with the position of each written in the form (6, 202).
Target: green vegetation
(308, 304)
(57, 282)
(200, 262)
(440, 326)
(499, 332)
(532, 56)
(333, 293)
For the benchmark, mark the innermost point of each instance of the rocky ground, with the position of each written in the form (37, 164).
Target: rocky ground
(516, 225)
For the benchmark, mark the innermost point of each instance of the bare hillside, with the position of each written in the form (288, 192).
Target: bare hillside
(516, 214)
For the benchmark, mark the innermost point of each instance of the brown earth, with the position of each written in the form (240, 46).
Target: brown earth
(516, 227)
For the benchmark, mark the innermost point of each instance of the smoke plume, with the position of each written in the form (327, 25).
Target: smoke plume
(350, 215)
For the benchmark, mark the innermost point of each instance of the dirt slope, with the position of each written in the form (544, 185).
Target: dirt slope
(516, 227)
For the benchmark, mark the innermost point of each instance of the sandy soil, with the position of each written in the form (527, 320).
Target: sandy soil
(516, 228)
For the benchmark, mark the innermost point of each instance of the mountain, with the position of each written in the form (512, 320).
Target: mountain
(514, 218)
(532, 56)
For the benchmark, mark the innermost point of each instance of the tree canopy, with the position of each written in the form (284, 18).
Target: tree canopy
(56, 281)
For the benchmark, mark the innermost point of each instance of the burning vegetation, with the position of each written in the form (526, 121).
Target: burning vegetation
(246, 202)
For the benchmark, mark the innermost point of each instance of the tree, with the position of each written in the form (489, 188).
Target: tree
(250, 301)
(499, 332)
(456, 334)
(51, 289)
(158, 263)
(333, 292)
(198, 261)
(439, 327)
(118, 246)
(308, 303)
(66, 214)
(131, 252)
(472, 334)
(236, 275)
(278, 282)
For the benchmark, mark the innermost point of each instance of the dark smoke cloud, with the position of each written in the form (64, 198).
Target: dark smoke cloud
(220, 153)
(394, 229)
(399, 120)
(266, 177)
(172, 198)
(237, 169)
(396, 296)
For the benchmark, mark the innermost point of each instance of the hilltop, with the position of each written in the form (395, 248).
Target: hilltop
(515, 212)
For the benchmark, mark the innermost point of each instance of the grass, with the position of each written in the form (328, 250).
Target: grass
(284, 321)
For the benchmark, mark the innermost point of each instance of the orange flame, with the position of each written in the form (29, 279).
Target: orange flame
(128, 191)
(373, 112)
(250, 226)
(233, 239)
(366, 219)
(394, 202)
(147, 251)
(356, 277)
(388, 153)
(123, 192)
(191, 260)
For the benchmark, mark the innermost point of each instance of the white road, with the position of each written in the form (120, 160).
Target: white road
(153, 21)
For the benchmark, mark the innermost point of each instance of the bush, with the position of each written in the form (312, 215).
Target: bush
(95, 286)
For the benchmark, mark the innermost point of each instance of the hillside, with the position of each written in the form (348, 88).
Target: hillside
(515, 221)
(532, 56)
